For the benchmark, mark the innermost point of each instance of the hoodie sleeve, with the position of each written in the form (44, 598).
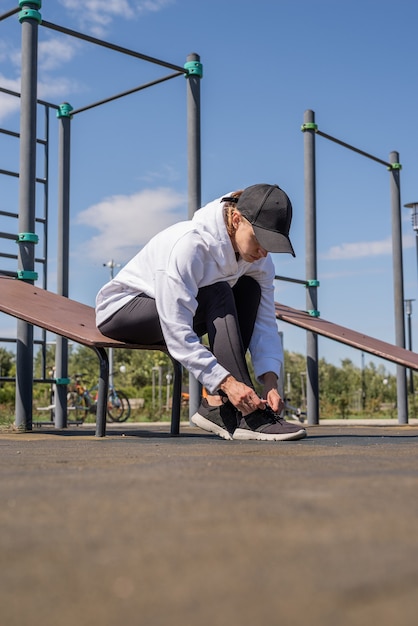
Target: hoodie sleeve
(176, 289)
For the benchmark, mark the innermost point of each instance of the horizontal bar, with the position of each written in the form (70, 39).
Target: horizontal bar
(17, 95)
(40, 220)
(9, 173)
(6, 255)
(9, 13)
(125, 93)
(106, 44)
(13, 133)
(347, 145)
(12, 236)
(9, 132)
(292, 280)
(12, 379)
(16, 175)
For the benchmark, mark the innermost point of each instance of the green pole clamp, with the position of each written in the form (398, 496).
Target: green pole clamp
(312, 283)
(313, 312)
(29, 237)
(30, 14)
(28, 11)
(193, 68)
(27, 275)
(62, 381)
(395, 166)
(64, 110)
(309, 126)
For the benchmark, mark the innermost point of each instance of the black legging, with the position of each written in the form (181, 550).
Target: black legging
(226, 314)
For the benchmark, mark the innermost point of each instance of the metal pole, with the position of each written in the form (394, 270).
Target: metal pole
(194, 74)
(154, 369)
(160, 388)
(63, 247)
(363, 384)
(312, 379)
(416, 246)
(111, 265)
(29, 19)
(402, 393)
(414, 216)
(408, 310)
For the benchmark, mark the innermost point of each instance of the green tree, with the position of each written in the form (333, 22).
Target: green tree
(7, 369)
(294, 379)
(44, 359)
(7, 361)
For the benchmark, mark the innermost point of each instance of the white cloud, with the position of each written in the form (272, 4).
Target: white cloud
(57, 90)
(363, 249)
(165, 173)
(9, 104)
(54, 52)
(97, 15)
(126, 223)
(335, 274)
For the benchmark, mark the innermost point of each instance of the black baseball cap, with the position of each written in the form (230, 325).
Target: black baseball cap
(269, 211)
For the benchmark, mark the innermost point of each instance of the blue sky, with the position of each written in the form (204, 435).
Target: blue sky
(266, 62)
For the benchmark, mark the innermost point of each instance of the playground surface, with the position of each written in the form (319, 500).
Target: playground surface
(143, 528)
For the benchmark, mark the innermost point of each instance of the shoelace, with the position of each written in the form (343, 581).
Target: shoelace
(272, 417)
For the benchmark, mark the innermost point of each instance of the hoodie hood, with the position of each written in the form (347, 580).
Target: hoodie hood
(210, 221)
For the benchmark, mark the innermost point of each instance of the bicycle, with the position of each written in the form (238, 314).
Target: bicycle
(82, 401)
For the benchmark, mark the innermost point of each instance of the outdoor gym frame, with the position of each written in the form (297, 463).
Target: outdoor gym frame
(30, 20)
(310, 129)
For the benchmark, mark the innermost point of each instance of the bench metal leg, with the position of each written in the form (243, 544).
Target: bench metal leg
(102, 392)
(176, 406)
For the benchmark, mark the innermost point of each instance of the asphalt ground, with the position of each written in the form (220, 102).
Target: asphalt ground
(141, 528)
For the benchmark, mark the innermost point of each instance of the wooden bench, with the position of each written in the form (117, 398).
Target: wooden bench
(76, 321)
(379, 348)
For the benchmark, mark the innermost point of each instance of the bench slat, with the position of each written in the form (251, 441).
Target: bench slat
(76, 321)
(379, 348)
(56, 314)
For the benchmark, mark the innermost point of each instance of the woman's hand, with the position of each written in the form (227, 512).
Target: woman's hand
(270, 392)
(274, 400)
(244, 398)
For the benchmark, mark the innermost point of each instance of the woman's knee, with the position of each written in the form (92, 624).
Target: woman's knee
(214, 293)
(248, 286)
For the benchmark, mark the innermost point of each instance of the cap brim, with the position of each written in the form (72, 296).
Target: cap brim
(273, 242)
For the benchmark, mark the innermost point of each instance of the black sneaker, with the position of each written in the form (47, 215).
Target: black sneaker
(265, 425)
(220, 420)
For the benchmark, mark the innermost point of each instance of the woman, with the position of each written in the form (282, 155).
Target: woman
(213, 274)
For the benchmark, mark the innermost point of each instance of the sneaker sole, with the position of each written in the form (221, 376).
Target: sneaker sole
(204, 424)
(247, 435)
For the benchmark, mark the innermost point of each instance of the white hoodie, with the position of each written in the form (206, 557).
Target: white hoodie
(171, 268)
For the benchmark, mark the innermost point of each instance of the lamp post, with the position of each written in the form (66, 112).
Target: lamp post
(154, 370)
(414, 207)
(363, 384)
(168, 379)
(408, 311)
(111, 265)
